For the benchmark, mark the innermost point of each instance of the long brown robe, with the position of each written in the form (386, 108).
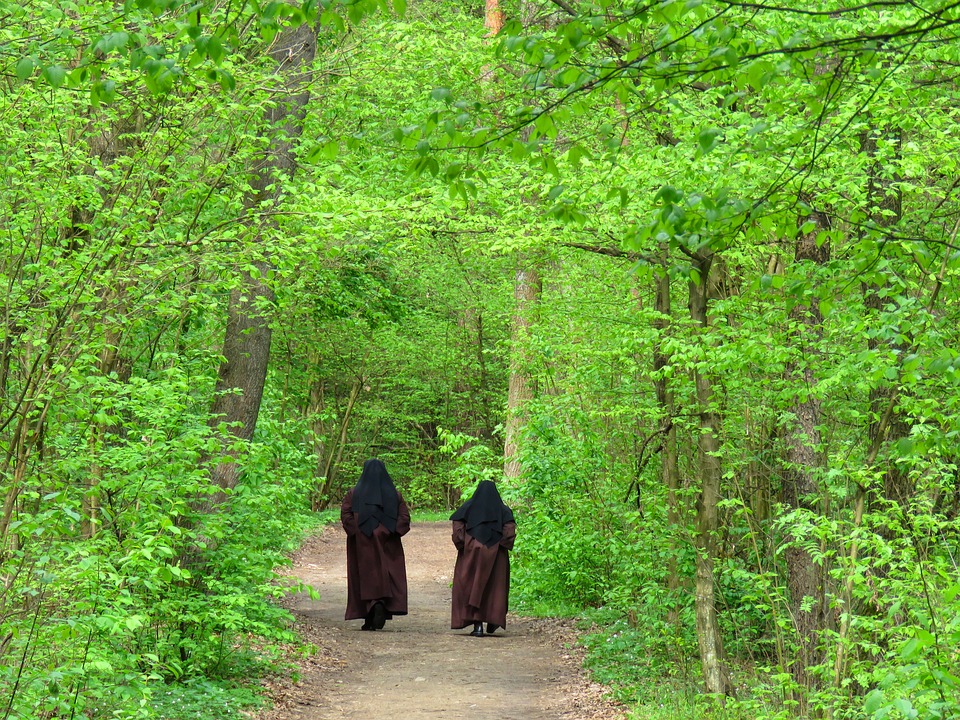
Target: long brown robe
(376, 569)
(481, 578)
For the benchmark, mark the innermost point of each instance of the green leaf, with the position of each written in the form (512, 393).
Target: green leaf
(669, 195)
(910, 649)
(25, 68)
(709, 138)
(215, 49)
(78, 76)
(227, 81)
(331, 150)
(107, 91)
(400, 7)
(874, 701)
(113, 41)
(905, 707)
(55, 75)
(758, 74)
(576, 153)
(355, 13)
(905, 446)
(545, 125)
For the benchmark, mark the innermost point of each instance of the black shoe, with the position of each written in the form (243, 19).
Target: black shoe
(367, 626)
(379, 616)
(477, 630)
(491, 628)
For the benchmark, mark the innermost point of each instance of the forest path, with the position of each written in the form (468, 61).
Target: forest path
(416, 667)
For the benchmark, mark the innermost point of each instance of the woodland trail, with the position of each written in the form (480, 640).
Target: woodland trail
(416, 667)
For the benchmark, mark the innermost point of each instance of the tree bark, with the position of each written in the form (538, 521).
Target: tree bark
(802, 459)
(332, 463)
(246, 346)
(885, 211)
(715, 675)
(522, 383)
(669, 471)
(492, 17)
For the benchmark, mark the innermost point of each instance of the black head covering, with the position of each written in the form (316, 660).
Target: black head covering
(375, 498)
(485, 514)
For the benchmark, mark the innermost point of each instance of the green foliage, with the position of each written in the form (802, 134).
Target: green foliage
(204, 698)
(610, 147)
(169, 46)
(923, 680)
(115, 617)
(561, 558)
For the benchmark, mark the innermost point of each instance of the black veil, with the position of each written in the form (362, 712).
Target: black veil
(375, 498)
(485, 514)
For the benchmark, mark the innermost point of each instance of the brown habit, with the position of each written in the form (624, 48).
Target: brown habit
(376, 569)
(481, 578)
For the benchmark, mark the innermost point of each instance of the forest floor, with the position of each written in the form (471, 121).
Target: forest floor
(416, 667)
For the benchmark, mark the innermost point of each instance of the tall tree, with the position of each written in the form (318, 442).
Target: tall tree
(246, 345)
(669, 468)
(803, 458)
(523, 383)
(715, 675)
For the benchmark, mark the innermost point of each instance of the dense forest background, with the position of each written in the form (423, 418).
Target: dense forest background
(680, 275)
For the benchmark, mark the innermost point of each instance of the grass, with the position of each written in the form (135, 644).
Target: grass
(204, 698)
(431, 515)
(332, 516)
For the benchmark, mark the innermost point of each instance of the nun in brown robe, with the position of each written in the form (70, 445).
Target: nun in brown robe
(375, 516)
(483, 531)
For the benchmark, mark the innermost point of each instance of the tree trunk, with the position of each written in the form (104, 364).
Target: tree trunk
(492, 17)
(715, 676)
(332, 462)
(522, 382)
(481, 394)
(885, 211)
(246, 353)
(802, 459)
(669, 471)
(246, 346)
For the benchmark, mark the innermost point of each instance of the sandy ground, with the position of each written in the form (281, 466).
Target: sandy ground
(416, 667)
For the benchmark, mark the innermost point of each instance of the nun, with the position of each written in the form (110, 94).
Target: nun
(483, 532)
(375, 517)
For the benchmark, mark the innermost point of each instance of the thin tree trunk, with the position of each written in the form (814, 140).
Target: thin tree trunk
(669, 471)
(842, 659)
(17, 455)
(481, 395)
(106, 364)
(715, 675)
(336, 450)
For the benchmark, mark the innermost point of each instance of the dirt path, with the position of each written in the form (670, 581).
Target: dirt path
(416, 667)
